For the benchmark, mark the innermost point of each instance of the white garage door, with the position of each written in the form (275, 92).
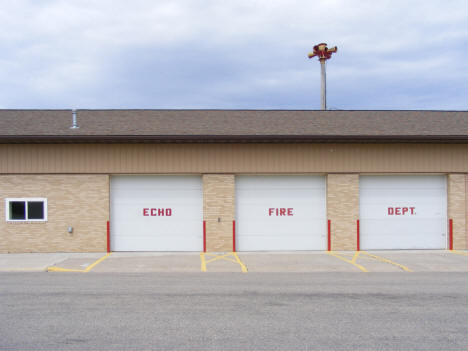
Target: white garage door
(280, 213)
(156, 213)
(403, 212)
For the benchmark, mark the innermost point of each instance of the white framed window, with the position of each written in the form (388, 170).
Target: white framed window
(26, 209)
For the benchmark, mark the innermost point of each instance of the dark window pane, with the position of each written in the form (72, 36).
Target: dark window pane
(17, 210)
(35, 210)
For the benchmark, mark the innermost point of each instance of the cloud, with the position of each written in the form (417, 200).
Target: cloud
(232, 54)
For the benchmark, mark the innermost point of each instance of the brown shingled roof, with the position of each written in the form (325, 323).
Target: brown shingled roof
(232, 125)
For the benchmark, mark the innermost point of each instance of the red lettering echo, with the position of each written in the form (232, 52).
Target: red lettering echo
(157, 212)
(290, 212)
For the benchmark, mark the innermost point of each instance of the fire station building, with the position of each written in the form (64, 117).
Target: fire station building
(223, 180)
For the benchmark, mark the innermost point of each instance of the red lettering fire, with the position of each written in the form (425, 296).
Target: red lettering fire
(280, 212)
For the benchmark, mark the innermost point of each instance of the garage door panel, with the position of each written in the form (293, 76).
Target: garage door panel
(409, 182)
(255, 212)
(273, 211)
(370, 194)
(280, 213)
(403, 212)
(400, 197)
(254, 243)
(267, 190)
(388, 242)
(279, 182)
(133, 243)
(404, 227)
(300, 205)
(128, 211)
(279, 228)
(381, 236)
(303, 193)
(168, 196)
(156, 213)
(163, 228)
(399, 210)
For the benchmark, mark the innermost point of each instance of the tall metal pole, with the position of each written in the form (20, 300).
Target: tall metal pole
(323, 95)
(323, 53)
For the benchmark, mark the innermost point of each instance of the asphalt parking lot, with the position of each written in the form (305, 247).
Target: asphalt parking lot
(379, 300)
(234, 311)
(244, 262)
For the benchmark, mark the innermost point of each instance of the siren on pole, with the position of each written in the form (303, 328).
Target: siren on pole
(323, 53)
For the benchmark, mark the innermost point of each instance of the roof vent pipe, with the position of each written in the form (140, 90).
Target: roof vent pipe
(74, 123)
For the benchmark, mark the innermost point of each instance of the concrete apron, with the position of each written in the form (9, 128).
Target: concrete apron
(39, 262)
(244, 262)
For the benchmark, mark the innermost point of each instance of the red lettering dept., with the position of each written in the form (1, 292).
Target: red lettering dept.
(401, 211)
(157, 212)
(280, 212)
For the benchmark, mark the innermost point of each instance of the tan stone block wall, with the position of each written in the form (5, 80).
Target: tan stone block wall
(343, 209)
(457, 208)
(80, 201)
(219, 202)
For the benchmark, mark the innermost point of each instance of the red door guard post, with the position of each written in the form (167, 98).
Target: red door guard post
(108, 237)
(233, 236)
(204, 236)
(329, 235)
(358, 246)
(450, 234)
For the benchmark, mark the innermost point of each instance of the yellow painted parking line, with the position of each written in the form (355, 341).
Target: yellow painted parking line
(225, 257)
(355, 257)
(386, 260)
(459, 252)
(91, 266)
(96, 263)
(220, 257)
(243, 267)
(59, 269)
(203, 261)
(352, 261)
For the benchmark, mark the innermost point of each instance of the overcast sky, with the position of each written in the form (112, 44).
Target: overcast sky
(235, 54)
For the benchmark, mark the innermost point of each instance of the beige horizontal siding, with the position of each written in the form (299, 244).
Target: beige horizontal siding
(232, 158)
